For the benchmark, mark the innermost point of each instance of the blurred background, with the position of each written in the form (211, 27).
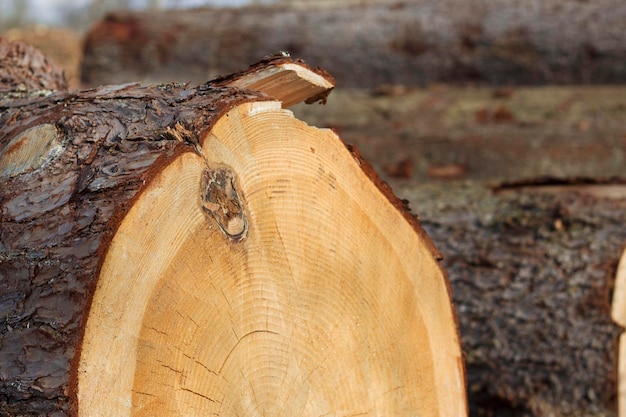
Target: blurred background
(443, 90)
(80, 14)
(57, 26)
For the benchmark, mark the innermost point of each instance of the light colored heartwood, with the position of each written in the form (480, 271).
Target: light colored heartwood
(330, 305)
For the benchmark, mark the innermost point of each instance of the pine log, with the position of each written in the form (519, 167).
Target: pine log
(60, 44)
(176, 250)
(532, 267)
(19, 63)
(365, 44)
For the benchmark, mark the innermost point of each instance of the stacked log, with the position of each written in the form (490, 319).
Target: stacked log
(365, 44)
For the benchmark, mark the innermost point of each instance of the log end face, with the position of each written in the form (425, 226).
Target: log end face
(618, 314)
(298, 318)
(618, 306)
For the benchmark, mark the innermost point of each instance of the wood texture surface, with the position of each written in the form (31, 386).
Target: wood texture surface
(296, 317)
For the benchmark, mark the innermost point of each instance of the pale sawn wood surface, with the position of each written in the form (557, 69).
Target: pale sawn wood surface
(331, 303)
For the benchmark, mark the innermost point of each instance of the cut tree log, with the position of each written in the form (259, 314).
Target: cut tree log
(368, 43)
(175, 250)
(60, 44)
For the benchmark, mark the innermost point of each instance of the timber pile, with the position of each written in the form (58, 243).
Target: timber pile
(177, 250)
(450, 133)
(364, 44)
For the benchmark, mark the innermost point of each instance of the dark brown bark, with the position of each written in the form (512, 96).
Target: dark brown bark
(364, 45)
(532, 270)
(56, 220)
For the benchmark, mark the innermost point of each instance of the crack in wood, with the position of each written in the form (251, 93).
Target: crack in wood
(172, 369)
(201, 395)
(145, 393)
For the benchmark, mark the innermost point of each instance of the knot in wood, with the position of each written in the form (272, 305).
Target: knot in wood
(221, 200)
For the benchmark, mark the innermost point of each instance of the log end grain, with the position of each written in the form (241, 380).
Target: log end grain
(329, 302)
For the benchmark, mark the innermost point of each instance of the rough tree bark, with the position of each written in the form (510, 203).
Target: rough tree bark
(532, 266)
(364, 44)
(173, 250)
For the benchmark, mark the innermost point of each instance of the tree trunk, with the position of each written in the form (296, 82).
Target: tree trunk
(364, 44)
(172, 250)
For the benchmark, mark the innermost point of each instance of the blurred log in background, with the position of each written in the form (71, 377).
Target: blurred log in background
(365, 44)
